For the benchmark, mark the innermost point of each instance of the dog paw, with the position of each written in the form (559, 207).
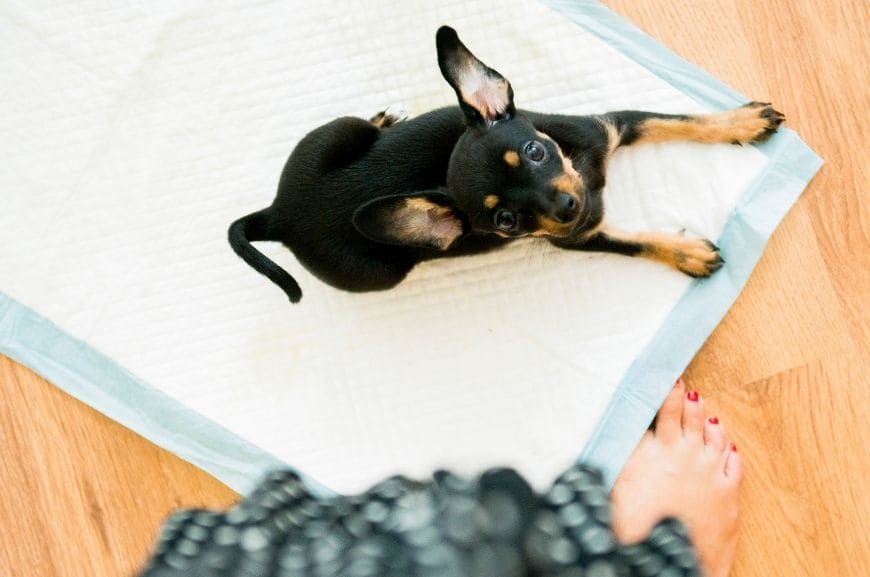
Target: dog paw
(698, 258)
(753, 122)
(385, 119)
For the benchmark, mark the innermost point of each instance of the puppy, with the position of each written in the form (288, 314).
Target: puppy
(360, 202)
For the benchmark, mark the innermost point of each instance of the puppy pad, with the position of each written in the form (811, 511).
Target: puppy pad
(134, 135)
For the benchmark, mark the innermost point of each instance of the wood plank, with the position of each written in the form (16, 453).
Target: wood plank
(804, 512)
(82, 495)
(786, 368)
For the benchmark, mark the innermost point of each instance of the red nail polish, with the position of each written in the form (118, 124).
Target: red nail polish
(713, 421)
(692, 396)
(733, 447)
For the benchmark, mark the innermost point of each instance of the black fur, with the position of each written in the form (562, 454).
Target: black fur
(359, 206)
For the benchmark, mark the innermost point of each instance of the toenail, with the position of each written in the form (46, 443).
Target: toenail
(733, 447)
(692, 396)
(713, 421)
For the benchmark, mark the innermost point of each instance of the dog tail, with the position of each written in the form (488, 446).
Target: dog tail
(255, 227)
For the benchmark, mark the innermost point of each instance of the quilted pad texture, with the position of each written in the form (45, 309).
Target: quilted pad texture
(135, 134)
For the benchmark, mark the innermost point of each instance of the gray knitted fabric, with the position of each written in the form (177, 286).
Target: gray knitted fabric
(495, 526)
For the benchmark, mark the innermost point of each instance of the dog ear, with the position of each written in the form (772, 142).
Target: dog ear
(485, 96)
(426, 219)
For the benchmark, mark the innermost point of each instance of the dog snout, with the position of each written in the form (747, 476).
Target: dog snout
(567, 208)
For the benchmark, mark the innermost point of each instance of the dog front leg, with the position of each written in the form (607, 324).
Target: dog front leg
(695, 257)
(753, 122)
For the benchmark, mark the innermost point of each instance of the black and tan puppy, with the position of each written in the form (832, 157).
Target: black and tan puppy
(361, 202)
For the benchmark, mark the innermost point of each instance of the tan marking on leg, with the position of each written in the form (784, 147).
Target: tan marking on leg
(378, 119)
(695, 129)
(751, 123)
(511, 158)
(383, 120)
(694, 256)
(490, 201)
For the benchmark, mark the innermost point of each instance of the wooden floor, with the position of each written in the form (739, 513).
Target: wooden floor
(787, 370)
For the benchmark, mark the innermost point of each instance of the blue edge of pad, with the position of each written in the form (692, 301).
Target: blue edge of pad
(98, 381)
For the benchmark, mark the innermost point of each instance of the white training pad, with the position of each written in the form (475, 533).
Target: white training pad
(134, 135)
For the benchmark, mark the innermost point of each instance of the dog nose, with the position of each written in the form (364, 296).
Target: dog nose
(567, 208)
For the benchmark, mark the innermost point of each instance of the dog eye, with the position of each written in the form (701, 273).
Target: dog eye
(534, 151)
(505, 220)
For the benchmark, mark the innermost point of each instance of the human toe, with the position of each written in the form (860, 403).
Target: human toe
(668, 421)
(715, 437)
(733, 464)
(693, 417)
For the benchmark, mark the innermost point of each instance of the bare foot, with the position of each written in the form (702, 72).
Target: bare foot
(686, 469)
